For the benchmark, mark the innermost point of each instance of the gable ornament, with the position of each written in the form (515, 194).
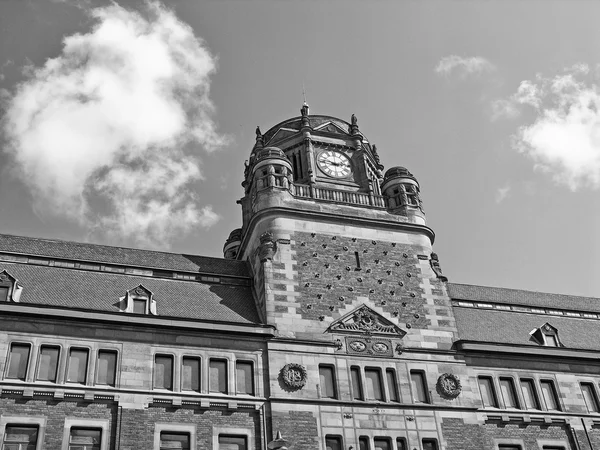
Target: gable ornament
(293, 376)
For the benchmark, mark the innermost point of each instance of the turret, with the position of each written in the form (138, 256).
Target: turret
(403, 194)
(232, 244)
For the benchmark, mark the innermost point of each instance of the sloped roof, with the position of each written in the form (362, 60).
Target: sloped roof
(121, 255)
(521, 297)
(508, 327)
(101, 291)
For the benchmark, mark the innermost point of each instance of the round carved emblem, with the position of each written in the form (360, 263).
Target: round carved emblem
(358, 346)
(380, 347)
(448, 386)
(294, 376)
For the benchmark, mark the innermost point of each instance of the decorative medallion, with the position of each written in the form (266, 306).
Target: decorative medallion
(293, 376)
(369, 346)
(365, 320)
(448, 386)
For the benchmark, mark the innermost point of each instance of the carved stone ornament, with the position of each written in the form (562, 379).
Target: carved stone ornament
(365, 321)
(293, 376)
(369, 346)
(435, 266)
(267, 246)
(448, 386)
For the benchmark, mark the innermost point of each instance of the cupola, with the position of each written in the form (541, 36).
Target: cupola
(403, 194)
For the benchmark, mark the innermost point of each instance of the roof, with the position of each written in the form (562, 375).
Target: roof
(102, 291)
(509, 327)
(521, 297)
(120, 255)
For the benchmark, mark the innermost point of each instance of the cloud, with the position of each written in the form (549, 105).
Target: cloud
(109, 133)
(473, 66)
(502, 193)
(563, 139)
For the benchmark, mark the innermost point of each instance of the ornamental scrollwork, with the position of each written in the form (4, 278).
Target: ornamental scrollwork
(293, 376)
(448, 386)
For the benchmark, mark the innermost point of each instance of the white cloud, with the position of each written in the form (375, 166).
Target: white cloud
(108, 133)
(464, 67)
(504, 109)
(564, 137)
(502, 193)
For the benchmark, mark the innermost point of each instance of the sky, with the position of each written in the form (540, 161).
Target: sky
(128, 123)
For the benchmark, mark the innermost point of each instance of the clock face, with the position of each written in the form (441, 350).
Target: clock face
(334, 164)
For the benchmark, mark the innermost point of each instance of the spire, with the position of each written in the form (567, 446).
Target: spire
(353, 124)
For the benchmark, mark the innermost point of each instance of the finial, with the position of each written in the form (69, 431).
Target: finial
(376, 157)
(278, 443)
(259, 138)
(304, 109)
(353, 124)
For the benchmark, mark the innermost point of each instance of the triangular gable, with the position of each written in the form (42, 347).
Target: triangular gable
(12, 289)
(363, 320)
(331, 127)
(281, 134)
(140, 291)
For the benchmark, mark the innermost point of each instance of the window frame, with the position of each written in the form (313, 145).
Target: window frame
(592, 385)
(339, 437)
(378, 373)
(200, 373)
(493, 391)
(38, 421)
(535, 392)
(404, 442)
(173, 366)
(358, 385)
(392, 385)
(227, 372)
(97, 364)
(423, 380)
(72, 422)
(554, 393)
(387, 439)
(252, 370)
(336, 393)
(9, 360)
(162, 427)
(514, 392)
(58, 362)
(90, 354)
(434, 440)
(248, 433)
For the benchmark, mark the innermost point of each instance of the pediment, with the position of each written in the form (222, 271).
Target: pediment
(363, 320)
(331, 127)
(282, 134)
(140, 291)
(7, 278)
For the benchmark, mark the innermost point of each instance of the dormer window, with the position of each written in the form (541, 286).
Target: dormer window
(546, 335)
(139, 301)
(10, 290)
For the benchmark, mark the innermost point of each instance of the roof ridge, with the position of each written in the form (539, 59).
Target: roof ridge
(521, 290)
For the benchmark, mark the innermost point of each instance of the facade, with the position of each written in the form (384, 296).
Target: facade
(328, 325)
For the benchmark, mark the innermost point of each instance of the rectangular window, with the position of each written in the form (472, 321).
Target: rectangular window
(48, 363)
(139, 306)
(232, 442)
(85, 438)
(486, 390)
(333, 443)
(107, 367)
(20, 437)
(356, 384)
(390, 375)
(77, 368)
(509, 393)
(529, 394)
(3, 293)
(549, 395)
(18, 360)
(430, 444)
(179, 441)
(244, 377)
(218, 375)
(420, 394)
(163, 372)
(401, 444)
(327, 380)
(363, 443)
(382, 444)
(190, 374)
(589, 395)
(373, 384)
(509, 447)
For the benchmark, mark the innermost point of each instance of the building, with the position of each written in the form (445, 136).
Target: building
(329, 321)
